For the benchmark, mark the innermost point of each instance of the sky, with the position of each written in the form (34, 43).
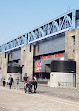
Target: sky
(20, 16)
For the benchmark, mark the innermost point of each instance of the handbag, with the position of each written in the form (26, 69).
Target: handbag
(8, 81)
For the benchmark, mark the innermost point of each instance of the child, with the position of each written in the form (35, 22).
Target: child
(17, 81)
(4, 83)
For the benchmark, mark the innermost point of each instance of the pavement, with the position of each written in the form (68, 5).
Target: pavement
(46, 99)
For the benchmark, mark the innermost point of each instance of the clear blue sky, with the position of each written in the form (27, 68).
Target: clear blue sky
(20, 16)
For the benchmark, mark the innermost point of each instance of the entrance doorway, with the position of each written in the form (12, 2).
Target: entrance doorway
(47, 68)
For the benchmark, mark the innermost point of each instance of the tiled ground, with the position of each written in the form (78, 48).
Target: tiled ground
(65, 93)
(16, 100)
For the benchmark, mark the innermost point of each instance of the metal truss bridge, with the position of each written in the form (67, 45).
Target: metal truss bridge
(58, 25)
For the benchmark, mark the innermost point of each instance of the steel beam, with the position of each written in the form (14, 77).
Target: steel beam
(58, 25)
(16, 43)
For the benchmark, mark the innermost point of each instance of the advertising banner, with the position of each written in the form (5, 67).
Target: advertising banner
(38, 66)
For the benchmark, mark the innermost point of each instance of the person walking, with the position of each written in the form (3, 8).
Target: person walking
(25, 78)
(10, 81)
(4, 83)
(35, 83)
(17, 82)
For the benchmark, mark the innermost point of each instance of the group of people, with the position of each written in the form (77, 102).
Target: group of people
(10, 81)
(27, 82)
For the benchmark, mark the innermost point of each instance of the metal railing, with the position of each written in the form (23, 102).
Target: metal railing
(77, 85)
(67, 84)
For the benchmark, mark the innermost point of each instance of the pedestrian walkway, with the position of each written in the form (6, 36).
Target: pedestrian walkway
(60, 92)
(17, 100)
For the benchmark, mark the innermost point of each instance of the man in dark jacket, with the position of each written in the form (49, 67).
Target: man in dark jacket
(25, 78)
(35, 83)
(10, 81)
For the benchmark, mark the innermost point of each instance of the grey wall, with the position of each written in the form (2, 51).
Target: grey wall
(48, 61)
(15, 55)
(55, 44)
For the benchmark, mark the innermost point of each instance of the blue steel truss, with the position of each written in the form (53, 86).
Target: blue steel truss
(56, 26)
(16, 43)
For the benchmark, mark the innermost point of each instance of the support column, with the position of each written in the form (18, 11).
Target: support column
(3, 65)
(72, 49)
(27, 60)
(77, 57)
(69, 45)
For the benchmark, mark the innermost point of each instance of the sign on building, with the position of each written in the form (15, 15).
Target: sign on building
(38, 66)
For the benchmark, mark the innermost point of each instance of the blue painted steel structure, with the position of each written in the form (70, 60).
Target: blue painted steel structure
(53, 27)
(13, 44)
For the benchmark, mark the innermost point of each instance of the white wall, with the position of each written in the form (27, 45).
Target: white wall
(58, 77)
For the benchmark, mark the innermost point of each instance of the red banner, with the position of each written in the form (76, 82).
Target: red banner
(53, 56)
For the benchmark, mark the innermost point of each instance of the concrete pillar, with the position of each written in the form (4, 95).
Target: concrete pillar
(69, 45)
(3, 64)
(27, 60)
(73, 49)
(0, 67)
(77, 56)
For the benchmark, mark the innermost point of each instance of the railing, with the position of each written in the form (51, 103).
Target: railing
(77, 85)
(67, 84)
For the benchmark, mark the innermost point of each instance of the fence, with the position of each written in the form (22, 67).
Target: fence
(77, 85)
(68, 84)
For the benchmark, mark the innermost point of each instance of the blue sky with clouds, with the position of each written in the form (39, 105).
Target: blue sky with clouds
(20, 16)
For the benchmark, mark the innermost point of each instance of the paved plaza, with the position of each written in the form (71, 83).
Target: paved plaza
(46, 99)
